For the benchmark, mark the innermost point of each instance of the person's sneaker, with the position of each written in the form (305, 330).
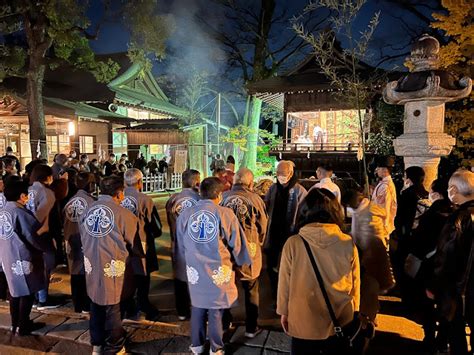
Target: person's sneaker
(252, 335)
(85, 312)
(97, 350)
(182, 318)
(47, 305)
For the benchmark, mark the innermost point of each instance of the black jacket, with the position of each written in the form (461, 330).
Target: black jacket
(451, 263)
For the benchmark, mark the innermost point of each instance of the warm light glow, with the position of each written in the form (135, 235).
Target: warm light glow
(71, 128)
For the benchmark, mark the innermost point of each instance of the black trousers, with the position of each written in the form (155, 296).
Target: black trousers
(307, 347)
(105, 327)
(20, 309)
(80, 299)
(3, 286)
(182, 299)
(457, 332)
(139, 285)
(143, 289)
(272, 267)
(251, 288)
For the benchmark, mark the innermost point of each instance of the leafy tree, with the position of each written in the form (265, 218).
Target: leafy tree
(458, 56)
(344, 68)
(41, 33)
(257, 46)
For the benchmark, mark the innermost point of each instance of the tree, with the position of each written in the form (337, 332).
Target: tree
(457, 55)
(258, 47)
(47, 33)
(344, 67)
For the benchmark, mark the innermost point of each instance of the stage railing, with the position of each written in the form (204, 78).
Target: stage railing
(289, 146)
(161, 182)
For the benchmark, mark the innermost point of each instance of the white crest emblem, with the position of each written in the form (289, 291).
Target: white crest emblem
(22, 268)
(115, 268)
(75, 209)
(222, 275)
(240, 205)
(31, 200)
(87, 266)
(6, 225)
(192, 274)
(3, 200)
(99, 221)
(182, 204)
(202, 227)
(131, 204)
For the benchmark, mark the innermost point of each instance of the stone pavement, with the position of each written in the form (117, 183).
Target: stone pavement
(67, 332)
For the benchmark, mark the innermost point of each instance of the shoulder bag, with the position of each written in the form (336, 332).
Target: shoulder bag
(349, 339)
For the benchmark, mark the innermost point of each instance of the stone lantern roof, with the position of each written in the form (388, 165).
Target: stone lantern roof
(426, 81)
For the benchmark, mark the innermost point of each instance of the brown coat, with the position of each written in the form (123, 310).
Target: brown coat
(299, 295)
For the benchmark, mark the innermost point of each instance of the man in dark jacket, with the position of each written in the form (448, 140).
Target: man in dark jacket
(453, 275)
(282, 201)
(10, 155)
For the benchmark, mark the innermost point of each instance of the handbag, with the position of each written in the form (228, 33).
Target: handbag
(413, 263)
(349, 339)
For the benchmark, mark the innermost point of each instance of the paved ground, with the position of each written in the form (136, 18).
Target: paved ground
(67, 332)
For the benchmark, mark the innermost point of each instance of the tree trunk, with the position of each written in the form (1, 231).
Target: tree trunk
(250, 155)
(34, 104)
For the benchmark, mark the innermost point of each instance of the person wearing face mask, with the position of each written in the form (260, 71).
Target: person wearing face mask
(177, 203)
(282, 201)
(422, 246)
(413, 202)
(108, 232)
(385, 194)
(11, 156)
(21, 252)
(453, 279)
(41, 201)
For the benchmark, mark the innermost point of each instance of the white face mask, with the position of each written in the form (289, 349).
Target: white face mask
(451, 194)
(283, 179)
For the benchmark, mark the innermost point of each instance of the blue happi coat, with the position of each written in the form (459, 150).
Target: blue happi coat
(72, 215)
(21, 250)
(107, 233)
(211, 240)
(177, 203)
(144, 259)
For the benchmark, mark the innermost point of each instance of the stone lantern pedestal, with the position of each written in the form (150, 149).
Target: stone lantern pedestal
(424, 92)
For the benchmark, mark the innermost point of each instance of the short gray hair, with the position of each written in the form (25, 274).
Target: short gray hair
(288, 163)
(464, 182)
(132, 176)
(243, 176)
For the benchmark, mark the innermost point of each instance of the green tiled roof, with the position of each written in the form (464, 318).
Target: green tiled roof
(127, 95)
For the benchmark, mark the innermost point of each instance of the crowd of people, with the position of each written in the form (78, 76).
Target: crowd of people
(329, 253)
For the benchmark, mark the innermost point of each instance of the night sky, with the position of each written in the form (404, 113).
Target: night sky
(188, 33)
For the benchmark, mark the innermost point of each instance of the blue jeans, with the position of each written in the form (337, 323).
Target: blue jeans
(49, 263)
(198, 329)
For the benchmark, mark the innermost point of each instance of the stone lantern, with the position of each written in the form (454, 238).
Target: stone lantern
(424, 92)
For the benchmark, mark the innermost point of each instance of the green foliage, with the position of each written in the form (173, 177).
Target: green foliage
(271, 113)
(380, 143)
(238, 136)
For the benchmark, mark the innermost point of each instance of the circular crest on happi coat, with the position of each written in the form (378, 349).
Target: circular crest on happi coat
(75, 209)
(203, 227)
(99, 221)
